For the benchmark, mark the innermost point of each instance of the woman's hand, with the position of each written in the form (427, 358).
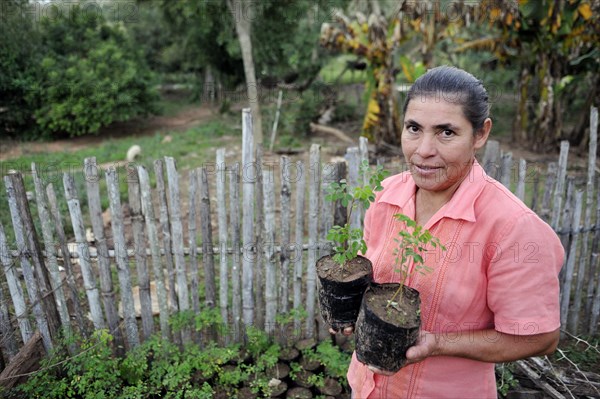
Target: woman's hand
(427, 345)
(489, 346)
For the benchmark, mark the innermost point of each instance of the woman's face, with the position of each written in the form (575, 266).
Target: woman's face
(439, 144)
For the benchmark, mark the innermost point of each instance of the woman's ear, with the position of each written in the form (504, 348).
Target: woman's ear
(482, 134)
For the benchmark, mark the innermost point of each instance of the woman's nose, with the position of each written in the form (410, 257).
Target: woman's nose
(426, 147)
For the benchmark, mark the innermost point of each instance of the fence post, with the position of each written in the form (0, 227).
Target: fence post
(352, 157)
(177, 242)
(570, 269)
(222, 222)
(595, 272)
(584, 270)
(259, 265)
(285, 195)
(23, 250)
(32, 254)
(551, 175)
(234, 220)
(490, 159)
(327, 207)
(139, 242)
(83, 251)
(520, 190)
(560, 184)
(28, 274)
(166, 238)
(506, 169)
(131, 330)
(62, 239)
(55, 278)
(194, 273)
(269, 250)
(299, 242)
(595, 314)
(207, 242)
(313, 236)
(92, 179)
(159, 279)
(247, 219)
(14, 287)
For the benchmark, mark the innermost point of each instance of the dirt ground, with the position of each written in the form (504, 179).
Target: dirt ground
(183, 120)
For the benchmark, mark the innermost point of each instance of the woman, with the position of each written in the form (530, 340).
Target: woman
(493, 295)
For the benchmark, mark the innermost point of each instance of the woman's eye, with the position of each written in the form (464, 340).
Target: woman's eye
(447, 133)
(412, 129)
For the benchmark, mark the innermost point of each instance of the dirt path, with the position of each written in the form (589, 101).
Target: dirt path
(142, 126)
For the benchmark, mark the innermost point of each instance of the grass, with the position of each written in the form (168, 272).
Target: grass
(190, 148)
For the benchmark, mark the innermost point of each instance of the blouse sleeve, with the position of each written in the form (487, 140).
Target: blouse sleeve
(523, 284)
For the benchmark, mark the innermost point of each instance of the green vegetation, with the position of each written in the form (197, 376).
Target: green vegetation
(412, 241)
(189, 148)
(78, 73)
(158, 368)
(349, 241)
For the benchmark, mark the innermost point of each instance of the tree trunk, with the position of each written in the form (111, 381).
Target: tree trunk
(241, 12)
(521, 120)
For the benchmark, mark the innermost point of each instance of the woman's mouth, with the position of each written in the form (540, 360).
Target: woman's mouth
(426, 169)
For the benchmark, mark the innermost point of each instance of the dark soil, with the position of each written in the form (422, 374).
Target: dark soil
(352, 270)
(403, 311)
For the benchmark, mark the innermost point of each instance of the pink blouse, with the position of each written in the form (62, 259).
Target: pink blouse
(500, 270)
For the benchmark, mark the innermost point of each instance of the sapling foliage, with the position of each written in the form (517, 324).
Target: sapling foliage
(412, 242)
(348, 241)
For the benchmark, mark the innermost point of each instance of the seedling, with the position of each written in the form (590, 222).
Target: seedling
(348, 241)
(412, 242)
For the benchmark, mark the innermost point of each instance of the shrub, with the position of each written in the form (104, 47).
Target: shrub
(19, 68)
(91, 75)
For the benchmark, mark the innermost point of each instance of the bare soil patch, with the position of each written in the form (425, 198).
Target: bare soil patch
(140, 126)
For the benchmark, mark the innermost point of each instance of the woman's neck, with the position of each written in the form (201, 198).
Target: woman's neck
(427, 203)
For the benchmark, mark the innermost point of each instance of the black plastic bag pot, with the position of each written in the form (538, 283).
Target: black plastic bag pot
(384, 333)
(341, 289)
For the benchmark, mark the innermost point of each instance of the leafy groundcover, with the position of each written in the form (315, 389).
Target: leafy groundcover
(159, 368)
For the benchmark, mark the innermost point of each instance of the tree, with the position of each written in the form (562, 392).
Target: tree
(242, 12)
(20, 56)
(375, 40)
(554, 45)
(91, 75)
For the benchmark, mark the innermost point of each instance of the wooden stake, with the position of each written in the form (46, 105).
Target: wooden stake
(159, 278)
(92, 180)
(131, 330)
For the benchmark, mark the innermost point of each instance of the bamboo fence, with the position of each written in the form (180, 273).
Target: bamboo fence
(257, 271)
